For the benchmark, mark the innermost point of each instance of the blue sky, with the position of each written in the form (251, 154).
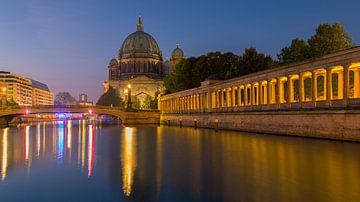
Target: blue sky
(67, 44)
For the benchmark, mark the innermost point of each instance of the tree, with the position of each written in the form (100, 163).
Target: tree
(297, 51)
(251, 61)
(65, 98)
(190, 72)
(151, 102)
(110, 98)
(328, 39)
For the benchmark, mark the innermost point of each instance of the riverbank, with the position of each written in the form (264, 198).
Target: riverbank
(331, 124)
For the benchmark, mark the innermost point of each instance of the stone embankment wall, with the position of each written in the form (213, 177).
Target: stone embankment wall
(331, 124)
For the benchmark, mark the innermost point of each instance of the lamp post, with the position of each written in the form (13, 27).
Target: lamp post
(129, 96)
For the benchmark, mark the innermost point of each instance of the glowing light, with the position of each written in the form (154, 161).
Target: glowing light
(3, 89)
(69, 139)
(91, 150)
(26, 142)
(128, 158)
(129, 85)
(4, 163)
(126, 91)
(83, 139)
(38, 133)
(63, 116)
(27, 112)
(60, 155)
(90, 111)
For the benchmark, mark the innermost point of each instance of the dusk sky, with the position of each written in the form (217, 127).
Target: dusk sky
(67, 44)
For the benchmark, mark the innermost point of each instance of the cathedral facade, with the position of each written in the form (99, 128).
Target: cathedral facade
(140, 64)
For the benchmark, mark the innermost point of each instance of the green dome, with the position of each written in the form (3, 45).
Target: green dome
(177, 53)
(139, 42)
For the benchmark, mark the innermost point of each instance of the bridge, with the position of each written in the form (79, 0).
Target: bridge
(132, 117)
(317, 97)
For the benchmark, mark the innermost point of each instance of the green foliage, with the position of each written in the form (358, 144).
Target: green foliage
(135, 102)
(252, 61)
(297, 51)
(151, 102)
(190, 72)
(110, 98)
(327, 39)
(65, 98)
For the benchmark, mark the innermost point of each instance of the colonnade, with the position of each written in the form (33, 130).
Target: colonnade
(328, 86)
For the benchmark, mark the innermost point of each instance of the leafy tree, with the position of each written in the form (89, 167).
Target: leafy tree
(110, 98)
(251, 61)
(328, 39)
(190, 72)
(151, 102)
(297, 51)
(135, 102)
(65, 98)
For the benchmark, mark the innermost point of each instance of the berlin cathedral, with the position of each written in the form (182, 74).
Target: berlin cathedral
(140, 64)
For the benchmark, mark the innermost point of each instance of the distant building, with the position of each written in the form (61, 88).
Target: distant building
(176, 56)
(83, 100)
(25, 91)
(41, 94)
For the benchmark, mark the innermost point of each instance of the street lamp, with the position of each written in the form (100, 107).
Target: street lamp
(128, 92)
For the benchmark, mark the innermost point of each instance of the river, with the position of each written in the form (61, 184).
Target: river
(83, 161)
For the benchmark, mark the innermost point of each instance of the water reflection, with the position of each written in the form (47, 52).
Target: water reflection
(172, 164)
(4, 157)
(128, 159)
(26, 143)
(60, 142)
(91, 150)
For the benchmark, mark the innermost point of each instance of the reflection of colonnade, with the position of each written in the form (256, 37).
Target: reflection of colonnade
(330, 81)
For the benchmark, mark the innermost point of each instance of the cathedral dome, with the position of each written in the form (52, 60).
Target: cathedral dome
(177, 53)
(139, 42)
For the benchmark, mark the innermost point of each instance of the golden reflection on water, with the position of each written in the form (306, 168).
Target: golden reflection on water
(128, 159)
(4, 163)
(83, 142)
(69, 133)
(26, 142)
(91, 150)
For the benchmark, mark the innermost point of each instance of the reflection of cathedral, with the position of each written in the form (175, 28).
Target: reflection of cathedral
(140, 64)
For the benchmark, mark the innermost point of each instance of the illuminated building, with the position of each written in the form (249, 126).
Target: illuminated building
(139, 63)
(25, 91)
(176, 56)
(83, 100)
(41, 94)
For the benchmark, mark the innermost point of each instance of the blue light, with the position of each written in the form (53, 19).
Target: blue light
(63, 115)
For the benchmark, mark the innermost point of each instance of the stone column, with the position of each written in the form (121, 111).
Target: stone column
(209, 101)
(278, 92)
(313, 88)
(289, 88)
(328, 86)
(346, 85)
(269, 92)
(356, 83)
(261, 97)
(245, 96)
(301, 87)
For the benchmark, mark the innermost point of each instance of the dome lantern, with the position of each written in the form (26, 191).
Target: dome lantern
(140, 27)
